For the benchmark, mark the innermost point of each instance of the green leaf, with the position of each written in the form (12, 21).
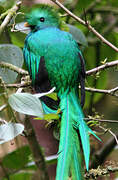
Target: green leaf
(38, 95)
(9, 131)
(18, 158)
(13, 55)
(49, 117)
(51, 159)
(26, 103)
(53, 96)
(78, 35)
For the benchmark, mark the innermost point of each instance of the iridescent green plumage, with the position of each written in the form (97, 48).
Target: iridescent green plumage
(53, 59)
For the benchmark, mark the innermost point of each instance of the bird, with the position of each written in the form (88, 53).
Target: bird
(54, 59)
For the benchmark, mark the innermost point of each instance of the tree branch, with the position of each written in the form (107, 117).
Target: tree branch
(13, 68)
(3, 107)
(104, 32)
(111, 92)
(108, 130)
(10, 112)
(102, 67)
(101, 120)
(21, 71)
(94, 173)
(18, 85)
(10, 14)
(36, 150)
(88, 73)
(86, 24)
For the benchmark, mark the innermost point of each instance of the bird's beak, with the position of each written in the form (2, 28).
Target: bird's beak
(26, 24)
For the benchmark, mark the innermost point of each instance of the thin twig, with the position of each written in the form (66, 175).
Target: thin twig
(89, 72)
(2, 83)
(104, 32)
(3, 121)
(17, 85)
(3, 107)
(111, 92)
(113, 135)
(102, 67)
(108, 130)
(21, 88)
(86, 24)
(3, 14)
(14, 23)
(10, 112)
(13, 68)
(101, 120)
(9, 16)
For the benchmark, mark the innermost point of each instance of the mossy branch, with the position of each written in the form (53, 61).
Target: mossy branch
(10, 13)
(95, 173)
(13, 68)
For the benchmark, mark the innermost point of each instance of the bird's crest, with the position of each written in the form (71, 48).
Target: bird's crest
(48, 12)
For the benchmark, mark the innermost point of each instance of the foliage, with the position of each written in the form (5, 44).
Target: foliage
(9, 131)
(26, 103)
(13, 55)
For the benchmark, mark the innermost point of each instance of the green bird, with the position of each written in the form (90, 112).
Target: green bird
(54, 59)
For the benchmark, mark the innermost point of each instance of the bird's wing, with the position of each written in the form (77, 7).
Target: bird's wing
(32, 63)
(37, 70)
(39, 75)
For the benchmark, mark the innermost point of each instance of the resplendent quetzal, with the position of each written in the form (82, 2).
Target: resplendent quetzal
(54, 59)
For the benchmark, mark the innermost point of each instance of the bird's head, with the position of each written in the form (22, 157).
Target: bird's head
(42, 17)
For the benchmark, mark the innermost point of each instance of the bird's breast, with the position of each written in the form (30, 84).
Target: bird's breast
(60, 53)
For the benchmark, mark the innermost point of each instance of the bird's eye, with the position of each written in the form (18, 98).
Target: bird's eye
(42, 19)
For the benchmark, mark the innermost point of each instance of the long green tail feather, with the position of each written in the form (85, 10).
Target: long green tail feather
(84, 130)
(69, 159)
(77, 167)
(66, 139)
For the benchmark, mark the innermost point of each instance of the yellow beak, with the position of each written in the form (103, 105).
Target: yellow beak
(26, 24)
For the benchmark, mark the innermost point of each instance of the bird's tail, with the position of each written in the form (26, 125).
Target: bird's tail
(69, 156)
